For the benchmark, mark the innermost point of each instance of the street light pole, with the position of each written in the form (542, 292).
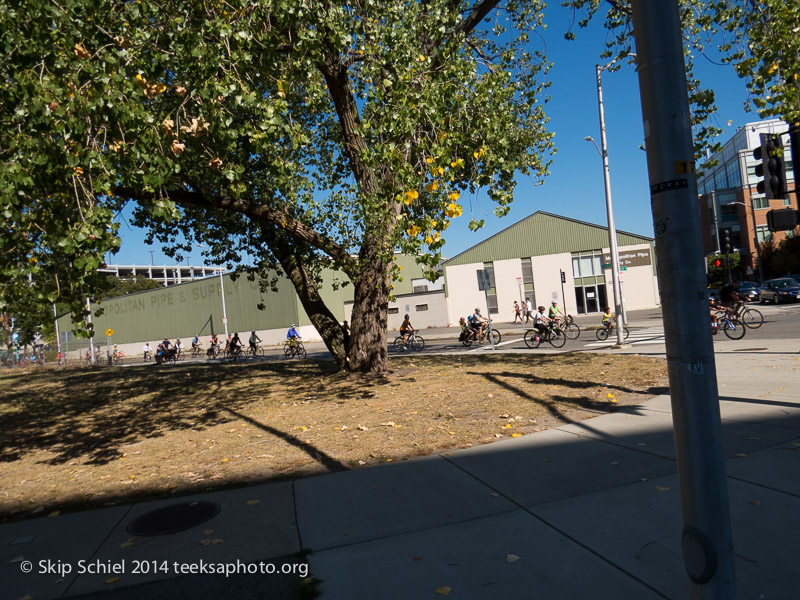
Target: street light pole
(619, 307)
(755, 237)
(222, 292)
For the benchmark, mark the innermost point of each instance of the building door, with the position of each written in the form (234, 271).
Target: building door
(590, 298)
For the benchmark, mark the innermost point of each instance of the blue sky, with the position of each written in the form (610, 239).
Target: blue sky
(574, 187)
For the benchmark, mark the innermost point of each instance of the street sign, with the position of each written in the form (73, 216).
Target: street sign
(484, 281)
(623, 268)
(607, 266)
(15, 336)
(109, 332)
(225, 321)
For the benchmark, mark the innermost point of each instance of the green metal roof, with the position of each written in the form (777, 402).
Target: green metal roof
(540, 234)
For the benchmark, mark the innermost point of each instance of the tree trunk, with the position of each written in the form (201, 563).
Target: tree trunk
(368, 349)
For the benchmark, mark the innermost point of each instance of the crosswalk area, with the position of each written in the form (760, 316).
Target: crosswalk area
(637, 337)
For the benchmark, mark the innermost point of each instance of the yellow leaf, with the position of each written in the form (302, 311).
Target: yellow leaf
(429, 160)
(755, 502)
(444, 590)
(610, 395)
(55, 513)
(508, 425)
(453, 196)
(513, 435)
(224, 460)
(127, 544)
(253, 502)
(741, 455)
(112, 580)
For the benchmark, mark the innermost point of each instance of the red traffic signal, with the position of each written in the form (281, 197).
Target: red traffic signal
(717, 262)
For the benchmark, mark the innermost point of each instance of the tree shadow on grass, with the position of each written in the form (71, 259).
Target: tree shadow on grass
(92, 414)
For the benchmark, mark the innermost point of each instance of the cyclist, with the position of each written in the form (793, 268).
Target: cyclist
(178, 348)
(405, 329)
(293, 337)
(713, 308)
(254, 340)
(730, 297)
(213, 346)
(196, 343)
(608, 318)
(115, 353)
(478, 324)
(540, 321)
(147, 351)
(235, 345)
(554, 312)
(467, 333)
(228, 342)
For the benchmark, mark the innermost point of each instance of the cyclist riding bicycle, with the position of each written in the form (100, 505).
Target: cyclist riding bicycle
(196, 343)
(467, 333)
(730, 296)
(478, 324)
(213, 347)
(405, 329)
(293, 337)
(608, 318)
(178, 347)
(554, 312)
(254, 339)
(235, 344)
(147, 351)
(540, 321)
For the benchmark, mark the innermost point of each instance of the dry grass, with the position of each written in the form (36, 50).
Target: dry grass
(84, 438)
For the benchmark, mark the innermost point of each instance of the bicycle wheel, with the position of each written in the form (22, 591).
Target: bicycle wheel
(752, 318)
(734, 329)
(602, 334)
(494, 336)
(531, 338)
(398, 343)
(301, 351)
(557, 338)
(625, 333)
(287, 351)
(417, 343)
(572, 331)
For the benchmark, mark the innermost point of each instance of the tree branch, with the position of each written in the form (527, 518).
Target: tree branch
(256, 212)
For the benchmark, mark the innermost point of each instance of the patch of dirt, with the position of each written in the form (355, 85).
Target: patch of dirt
(79, 439)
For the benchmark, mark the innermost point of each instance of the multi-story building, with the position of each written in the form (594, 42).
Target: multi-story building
(728, 196)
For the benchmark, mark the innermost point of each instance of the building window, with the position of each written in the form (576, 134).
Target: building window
(732, 171)
(760, 202)
(393, 311)
(421, 307)
(491, 293)
(787, 202)
(763, 233)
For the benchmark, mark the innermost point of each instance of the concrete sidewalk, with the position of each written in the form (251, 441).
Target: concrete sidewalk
(585, 510)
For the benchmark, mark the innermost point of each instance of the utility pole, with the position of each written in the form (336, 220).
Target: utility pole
(707, 538)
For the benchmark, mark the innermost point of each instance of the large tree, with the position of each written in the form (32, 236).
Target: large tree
(286, 135)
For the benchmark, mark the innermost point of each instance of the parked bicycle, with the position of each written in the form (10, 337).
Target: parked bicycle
(294, 349)
(604, 332)
(413, 341)
(553, 334)
(727, 321)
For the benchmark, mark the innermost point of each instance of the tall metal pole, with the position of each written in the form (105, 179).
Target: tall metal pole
(612, 230)
(224, 312)
(91, 339)
(707, 539)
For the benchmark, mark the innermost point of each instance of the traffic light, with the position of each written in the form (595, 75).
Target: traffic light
(772, 167)
(717, 262)
(725, 240)
(782, 219)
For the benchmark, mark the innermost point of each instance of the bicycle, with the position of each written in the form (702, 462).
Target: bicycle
(603, 333)
(197, 351)
(414, 341)
(292, 349)
(571, 328)
(553, 334)
(213, 351)
(749, 317)
(256, 350)
(732, 327)
(234, 353)
(116, 359)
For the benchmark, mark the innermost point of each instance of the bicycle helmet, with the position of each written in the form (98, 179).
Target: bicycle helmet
(541, 308)
(293, 325)
(406, 317)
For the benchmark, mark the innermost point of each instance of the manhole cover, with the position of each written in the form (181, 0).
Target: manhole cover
(173, 518)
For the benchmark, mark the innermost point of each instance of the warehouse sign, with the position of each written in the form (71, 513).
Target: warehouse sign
(631, 258)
